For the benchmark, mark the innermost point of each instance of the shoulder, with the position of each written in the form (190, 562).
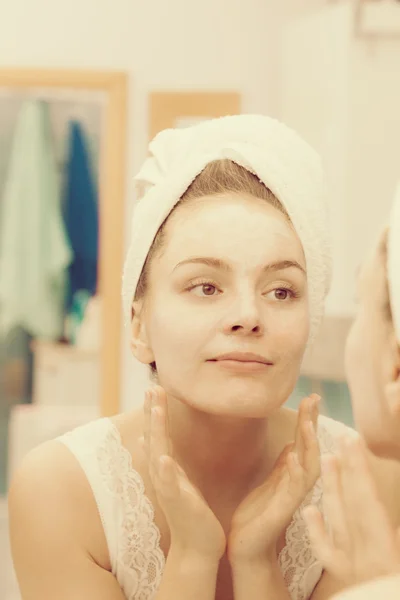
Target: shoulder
(57, 540)
(62, 482)
(49, 467)
(51, 482)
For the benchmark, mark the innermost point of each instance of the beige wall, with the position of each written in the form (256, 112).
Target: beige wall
(171, 45)
(342, 93)
(163, 45)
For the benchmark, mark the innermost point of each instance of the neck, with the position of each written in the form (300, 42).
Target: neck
(220, 453)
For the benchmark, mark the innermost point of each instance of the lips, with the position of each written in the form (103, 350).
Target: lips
(244, 357)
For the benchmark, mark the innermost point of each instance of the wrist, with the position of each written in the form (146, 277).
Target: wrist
(258, 579)
(193, 560)
(259, 561)
(262, 562)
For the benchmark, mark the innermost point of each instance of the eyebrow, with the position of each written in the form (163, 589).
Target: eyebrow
(217, 263)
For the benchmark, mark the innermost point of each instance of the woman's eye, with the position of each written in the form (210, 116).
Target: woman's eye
(281, 293)
(207, 289)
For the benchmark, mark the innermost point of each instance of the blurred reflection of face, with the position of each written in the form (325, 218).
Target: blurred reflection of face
(230, 278)
(372, 359)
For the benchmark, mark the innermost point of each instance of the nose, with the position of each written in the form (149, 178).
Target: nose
(244, 318)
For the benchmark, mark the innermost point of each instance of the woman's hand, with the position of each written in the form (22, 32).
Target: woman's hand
(264, 515)
(362, 544)
(194, 528)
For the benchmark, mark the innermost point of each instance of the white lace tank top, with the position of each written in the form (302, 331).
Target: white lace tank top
(127, 514)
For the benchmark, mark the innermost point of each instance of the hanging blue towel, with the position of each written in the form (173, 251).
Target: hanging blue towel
(34, 250)
(81, 214)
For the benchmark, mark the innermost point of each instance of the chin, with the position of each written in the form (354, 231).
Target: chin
(246, 404)
(235, 396)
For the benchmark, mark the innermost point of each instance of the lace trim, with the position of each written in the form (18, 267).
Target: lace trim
(296, 559)
(140, 561)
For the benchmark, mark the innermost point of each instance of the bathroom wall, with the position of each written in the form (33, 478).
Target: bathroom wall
(236, 48)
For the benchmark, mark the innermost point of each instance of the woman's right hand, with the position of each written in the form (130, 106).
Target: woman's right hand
(360, 543)
(194, 528)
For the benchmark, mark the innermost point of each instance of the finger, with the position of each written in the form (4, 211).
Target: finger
(307, 444)
(294, 467)
(303, 409)
(147, 422)
(321, 542)
(167, 481)
(333, 502)
(308, 430)
(158, 444)
(367, 517)
(281, 463)
(277, 480)
(308, 411)
(315, 410)
(301, 418)
(149, 444)
(311, 449)
(295, 482)
(162, 401)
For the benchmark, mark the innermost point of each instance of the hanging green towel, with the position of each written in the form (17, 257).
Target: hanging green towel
(34, 249)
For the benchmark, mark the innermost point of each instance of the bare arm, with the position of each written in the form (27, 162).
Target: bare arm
(259, 582)
(47, 532)
(54, 538)
(188, 577)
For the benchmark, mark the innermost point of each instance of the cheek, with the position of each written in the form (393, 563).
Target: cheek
(291, 327)
(287, 338)
(173, 336)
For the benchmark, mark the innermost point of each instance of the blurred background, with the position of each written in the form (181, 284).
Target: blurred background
(84, 85)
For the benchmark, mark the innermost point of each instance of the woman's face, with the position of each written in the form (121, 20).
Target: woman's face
(230, 279)
(372, 359)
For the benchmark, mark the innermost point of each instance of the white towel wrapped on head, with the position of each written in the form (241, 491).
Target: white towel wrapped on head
(286, 164)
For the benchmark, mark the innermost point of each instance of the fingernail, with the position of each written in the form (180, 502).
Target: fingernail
(165, 468)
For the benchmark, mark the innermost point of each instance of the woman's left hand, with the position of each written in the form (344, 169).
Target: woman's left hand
(361, 544)
(266, 512)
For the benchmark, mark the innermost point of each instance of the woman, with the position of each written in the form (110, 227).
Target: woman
(364, 544)
(200, 495)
